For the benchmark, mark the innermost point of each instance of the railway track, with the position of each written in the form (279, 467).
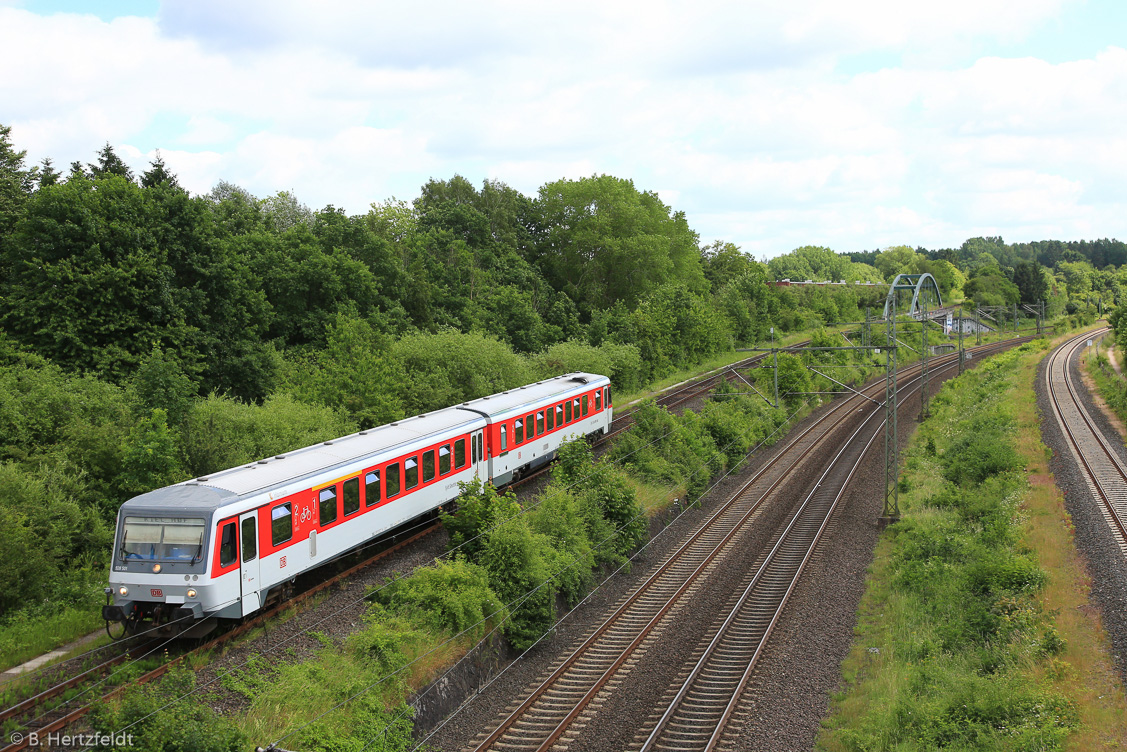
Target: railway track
(44, 711)
(555, 710)
(671, 398)
(41, 716)
(1102, 469)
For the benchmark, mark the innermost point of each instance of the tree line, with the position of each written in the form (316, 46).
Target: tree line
(148, 335)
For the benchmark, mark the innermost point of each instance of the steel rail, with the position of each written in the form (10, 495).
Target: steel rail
(744, 627)
(539, 692)
(76, 714)
(1103, 470)
(737, 612)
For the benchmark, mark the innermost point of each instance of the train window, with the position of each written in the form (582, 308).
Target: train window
(540, 422)
(583, 401)
(428, 466)
(598, 400)
(372, 488)
(166, 538)
(607, 400)
(575, 408)
(444, 459)
(460, 449)
(559, 415)
(327, 505)
(551, 418)
(567, 412)
(475, 448)
(281, 524)
(530, 421)
(392, 480)
(229, 547)
(518, 431)
(504, 440)
(250, 540)
(410, 473)
(351, 496)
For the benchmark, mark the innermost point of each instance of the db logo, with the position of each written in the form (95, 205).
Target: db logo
(282, 563)
(157, 593)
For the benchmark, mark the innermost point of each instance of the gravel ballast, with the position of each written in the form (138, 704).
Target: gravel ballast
(1106, 566)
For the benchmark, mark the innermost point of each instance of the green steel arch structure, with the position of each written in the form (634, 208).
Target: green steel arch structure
(922, 286)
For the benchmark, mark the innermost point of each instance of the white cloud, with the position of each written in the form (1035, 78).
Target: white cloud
(734, 113)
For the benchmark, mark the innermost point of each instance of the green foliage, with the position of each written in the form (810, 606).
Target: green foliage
(221, 432)
(961, 620)
(519, 573)
(449, 597)
(354, 374)
(605, 241)
(810, 262)
(186, 725)
(161, 383)
(450, 367)
(480, 509)
(622, 363)
(980, 453)
(150, 459)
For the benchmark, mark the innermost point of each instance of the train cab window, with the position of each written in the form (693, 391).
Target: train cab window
(428, 466)
(281, 524)
(250, 539)
(460, 449)
(583, 401)
(444, 459)
(392, 480)
(551, 418)
(228, 547)
(540, 423)
(606, 399)
(504, 441)
(567, 412)
(410, 473)
(598, 400)
(372, 488)
(327, 506)
(351, 496)
(518, 431)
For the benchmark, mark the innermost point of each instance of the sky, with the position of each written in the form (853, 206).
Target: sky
(854, 125)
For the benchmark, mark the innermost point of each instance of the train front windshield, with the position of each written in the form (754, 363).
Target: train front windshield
(162, 539)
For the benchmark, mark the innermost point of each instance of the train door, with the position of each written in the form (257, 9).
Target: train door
(478, 455)
(249, 566)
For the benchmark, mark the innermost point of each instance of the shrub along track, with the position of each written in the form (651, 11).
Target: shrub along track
(39, 715)
(42, 713)
(556, 712)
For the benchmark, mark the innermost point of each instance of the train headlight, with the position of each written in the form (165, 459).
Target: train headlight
(191, 593)
(156, 568)
(123, 590)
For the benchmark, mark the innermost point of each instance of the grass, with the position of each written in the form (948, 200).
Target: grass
(654, 497)
(24, 637)
(899, 668)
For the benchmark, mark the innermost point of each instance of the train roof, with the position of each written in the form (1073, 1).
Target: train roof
(515, 400)
(279, 472)
(292, 466)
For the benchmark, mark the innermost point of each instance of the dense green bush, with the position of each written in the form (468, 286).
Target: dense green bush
(961, 591)
(450, 367)
(221, 432)
(185, 725)
(451, 596)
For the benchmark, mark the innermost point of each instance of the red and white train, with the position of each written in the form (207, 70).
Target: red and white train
(219, 546)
